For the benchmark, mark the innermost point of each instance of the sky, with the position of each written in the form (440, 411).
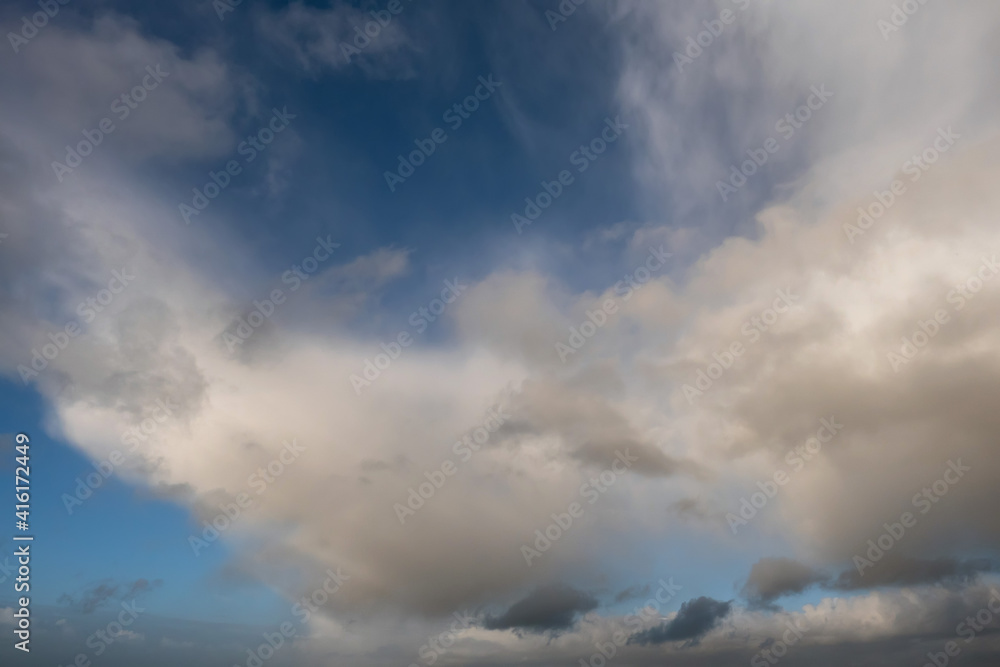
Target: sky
(557, 332)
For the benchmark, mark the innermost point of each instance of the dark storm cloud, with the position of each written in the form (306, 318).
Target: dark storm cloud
(904, 571)
(548, 608)
(695, 618)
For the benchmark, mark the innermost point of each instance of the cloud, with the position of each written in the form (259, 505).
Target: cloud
(590, 426)
(695, 618)
(90, 599)
(858, 300)
(142, 586)
(546, 609)
(361, 276)
(633, 592)
(905, 571)
(93, 598)
(131, 636)
(72, 78)
(335, 39)
(772, 578)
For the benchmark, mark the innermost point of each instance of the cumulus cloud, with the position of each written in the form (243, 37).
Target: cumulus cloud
(857, 300)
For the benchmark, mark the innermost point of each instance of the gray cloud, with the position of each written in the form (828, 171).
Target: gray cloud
(97, 596)
(92, 598)
(772, 578)
(546, 609)
(71, 78)
(905, 571)
(695, 618)
(633, 593)
(141, 586)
